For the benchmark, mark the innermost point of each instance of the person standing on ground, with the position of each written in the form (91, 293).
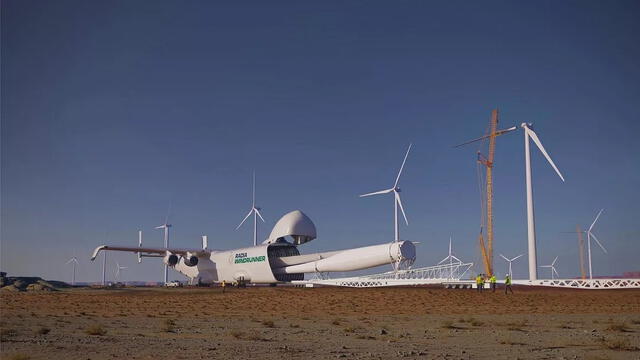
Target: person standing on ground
(478, 282)
(507, 284)
(224, 285)
(493, 281)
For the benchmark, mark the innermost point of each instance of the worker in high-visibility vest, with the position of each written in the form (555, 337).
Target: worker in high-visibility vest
(479, 282)
(507, 284)
(493, 282)
(224, 285)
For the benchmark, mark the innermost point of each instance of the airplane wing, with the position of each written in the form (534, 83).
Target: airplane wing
(146, 250)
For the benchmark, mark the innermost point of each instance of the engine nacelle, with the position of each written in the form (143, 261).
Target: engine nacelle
(190, 260)
(170, 259)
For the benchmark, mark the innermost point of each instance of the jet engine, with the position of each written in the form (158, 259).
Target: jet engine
(190, 260)
(170, 259)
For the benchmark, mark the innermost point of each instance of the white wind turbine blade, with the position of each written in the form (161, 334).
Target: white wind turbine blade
(554, 261)
(402, 166)
(533, 136)
(401, 208)
(598, 242)
(594, 221)
(160, 227)
(258, 212)
(502, 256)
(245, 219)
(554, 270)
(517, 257)
(378, 192)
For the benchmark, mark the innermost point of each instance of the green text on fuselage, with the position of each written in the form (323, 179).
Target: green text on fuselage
(250, 259)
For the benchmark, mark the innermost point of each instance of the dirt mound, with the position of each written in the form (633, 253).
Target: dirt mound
(10, 288)
(40, 287)
(29, 283)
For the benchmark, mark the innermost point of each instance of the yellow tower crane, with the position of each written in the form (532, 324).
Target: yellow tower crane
(487, 249)
(583, 273)
(486, 190)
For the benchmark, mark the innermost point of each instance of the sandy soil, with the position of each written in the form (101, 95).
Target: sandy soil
(302, 323)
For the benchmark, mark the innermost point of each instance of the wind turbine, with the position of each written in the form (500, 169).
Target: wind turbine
(531, 225)
(255, 211)
(118, 268)
(552, 267)
(104, 269)
(73, 260)
(510, 261)
(396, 202)
(451, 259)
(589, 236)
(166, 227)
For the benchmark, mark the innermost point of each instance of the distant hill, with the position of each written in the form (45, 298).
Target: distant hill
(29, 283)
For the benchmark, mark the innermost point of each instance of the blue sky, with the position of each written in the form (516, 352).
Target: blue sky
(112, 111)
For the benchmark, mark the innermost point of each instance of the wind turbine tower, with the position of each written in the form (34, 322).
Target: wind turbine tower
(531, 225)
(256, 213)
(452, 260)
(510, 261)
(118, 269)
(552, 267)
(397, 203)
(104, 269)
(165, 227)
(590, 236)
(73, 260)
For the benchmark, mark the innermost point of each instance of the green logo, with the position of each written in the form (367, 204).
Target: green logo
(243, 258)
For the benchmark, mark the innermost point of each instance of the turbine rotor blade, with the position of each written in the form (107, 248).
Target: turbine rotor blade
(594, 221)
(258, 212)
(517, 257)
(502, 256)
(401, 208)
(378, 192)
(598, 242)
(554, 261)
(245, 219)
(535, 139)
(402, 167)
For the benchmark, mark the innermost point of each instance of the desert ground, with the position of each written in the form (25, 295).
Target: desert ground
(320, 323)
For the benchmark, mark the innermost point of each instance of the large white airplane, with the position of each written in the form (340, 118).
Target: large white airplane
(277, 259)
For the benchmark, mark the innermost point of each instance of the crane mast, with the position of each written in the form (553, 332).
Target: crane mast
(487, 248)
(581, 248)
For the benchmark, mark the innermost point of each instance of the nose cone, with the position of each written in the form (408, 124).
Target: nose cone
(295, 224)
